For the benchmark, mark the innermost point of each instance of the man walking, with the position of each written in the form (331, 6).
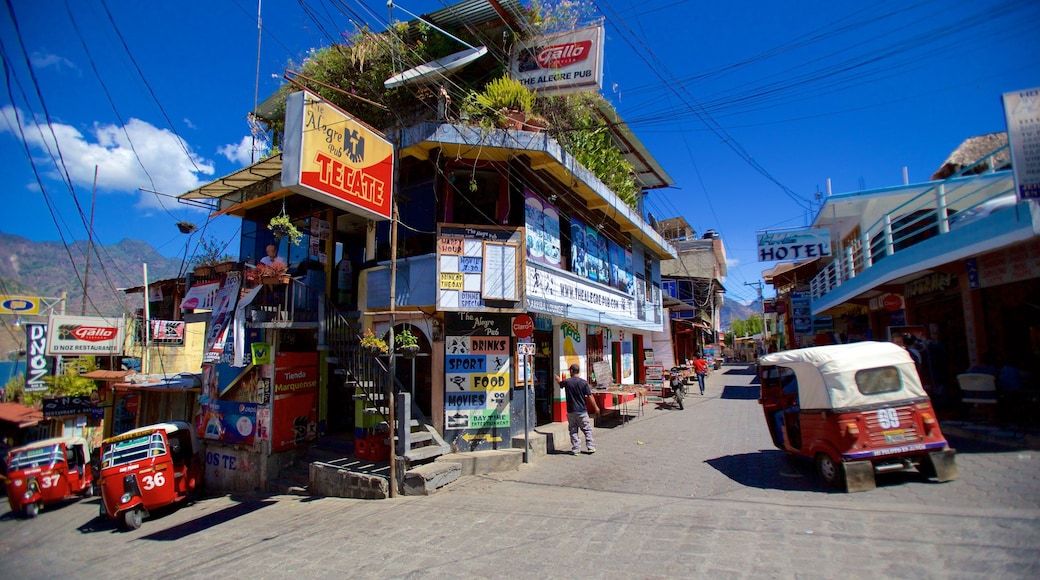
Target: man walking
(700, 366)
(577, 391)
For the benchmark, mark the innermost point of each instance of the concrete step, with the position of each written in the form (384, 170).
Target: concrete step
(427, 479)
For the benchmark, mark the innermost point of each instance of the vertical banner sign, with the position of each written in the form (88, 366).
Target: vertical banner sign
(1022, 111)
(39, 365)
(477, 364)
(330, 157)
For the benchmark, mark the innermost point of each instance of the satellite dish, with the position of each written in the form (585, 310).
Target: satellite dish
(440, 67)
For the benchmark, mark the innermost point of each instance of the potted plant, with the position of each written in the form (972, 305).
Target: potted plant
(276, 273)
(282, 227)
(506, 101)
(210, 253)
(406, 343)
(373, 344)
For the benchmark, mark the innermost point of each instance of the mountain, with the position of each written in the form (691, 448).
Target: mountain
(733, 310)
(46, 269)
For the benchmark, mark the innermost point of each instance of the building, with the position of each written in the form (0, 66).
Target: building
(449, 227)
(692, 285)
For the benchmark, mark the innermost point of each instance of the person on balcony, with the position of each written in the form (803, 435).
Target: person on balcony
(272, 257)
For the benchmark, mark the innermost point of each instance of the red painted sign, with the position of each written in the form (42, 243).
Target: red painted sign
(523, 326)
(893, 302)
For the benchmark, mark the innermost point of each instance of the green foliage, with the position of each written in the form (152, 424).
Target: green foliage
(506, 93)
(282, 227)
(210, 252)
(67, 384)
(746, 327)
(373, 341)
(576, 122)
(558, 15)
(405, 338)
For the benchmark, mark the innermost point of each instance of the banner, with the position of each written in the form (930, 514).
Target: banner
(168, 330)
(221, 318)
(38, 364)
(72, 335)
(295, 408)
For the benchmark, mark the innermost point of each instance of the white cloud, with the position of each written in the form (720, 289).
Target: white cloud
(189, 124)
(119, 166)
(732, 262)
(42, 60)
(242, 153)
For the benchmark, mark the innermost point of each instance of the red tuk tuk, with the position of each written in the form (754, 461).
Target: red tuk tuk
(46, 472)
(148, 468)
(855, 410)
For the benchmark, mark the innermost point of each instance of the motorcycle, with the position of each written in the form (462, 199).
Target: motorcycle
(678, 387)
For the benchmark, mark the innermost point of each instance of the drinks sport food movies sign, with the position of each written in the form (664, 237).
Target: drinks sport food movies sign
(332, 158)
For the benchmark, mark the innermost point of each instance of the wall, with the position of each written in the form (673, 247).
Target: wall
(228, 468)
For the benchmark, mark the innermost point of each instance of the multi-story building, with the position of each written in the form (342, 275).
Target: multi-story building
(471, 235)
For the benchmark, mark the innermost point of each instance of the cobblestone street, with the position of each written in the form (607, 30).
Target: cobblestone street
(693, 493)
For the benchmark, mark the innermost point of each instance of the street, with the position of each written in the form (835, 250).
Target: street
(694, 493)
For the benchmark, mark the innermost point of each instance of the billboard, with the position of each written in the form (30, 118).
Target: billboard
(562, 62)
(86, 335)
(334, 159)
(796, 245)
(1022, 110)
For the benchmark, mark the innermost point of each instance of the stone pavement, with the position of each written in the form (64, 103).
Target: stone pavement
(693, 493)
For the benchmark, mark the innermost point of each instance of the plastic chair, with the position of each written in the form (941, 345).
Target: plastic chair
(979, 390)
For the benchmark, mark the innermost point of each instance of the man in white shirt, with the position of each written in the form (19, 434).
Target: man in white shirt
(272, 257)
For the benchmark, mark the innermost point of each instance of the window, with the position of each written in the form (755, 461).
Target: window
(879, 380)
(132, 449)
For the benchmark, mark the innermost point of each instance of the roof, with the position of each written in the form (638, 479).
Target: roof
(108, 376)
(20, 415)
(167, 427)
(648, 172)
(827, 374)
(52, 441)
(231, 183)
(973, 150)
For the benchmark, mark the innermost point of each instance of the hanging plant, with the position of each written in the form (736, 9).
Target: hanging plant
(372, 343)
(282, 227)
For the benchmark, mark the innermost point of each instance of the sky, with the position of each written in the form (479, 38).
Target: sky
(749, 106)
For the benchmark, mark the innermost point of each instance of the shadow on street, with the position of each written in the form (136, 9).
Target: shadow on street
(741, 392)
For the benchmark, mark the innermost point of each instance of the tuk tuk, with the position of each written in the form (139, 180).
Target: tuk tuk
(855, 410)
(48, 471)
(148, 468)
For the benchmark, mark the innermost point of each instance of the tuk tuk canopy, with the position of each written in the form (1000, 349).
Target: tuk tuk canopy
(827, 374)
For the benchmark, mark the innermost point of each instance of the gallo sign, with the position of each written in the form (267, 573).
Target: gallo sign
(523, 326)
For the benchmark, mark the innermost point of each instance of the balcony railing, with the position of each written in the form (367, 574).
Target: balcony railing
(935, 212)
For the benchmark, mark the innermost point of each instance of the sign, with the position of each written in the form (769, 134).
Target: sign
(38, 364)
(562, 62)
(330, 157)
(1022, 112)
(67, 406)
(19, 305)
(168, 330)
(261, 353)
(481, 437)
(451, 281)
(523, 326)
(476, 265)
(800, 245)
(85, 335)
(200, 296)
(525, 349)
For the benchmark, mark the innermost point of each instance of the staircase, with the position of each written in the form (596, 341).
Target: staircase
(416, 440)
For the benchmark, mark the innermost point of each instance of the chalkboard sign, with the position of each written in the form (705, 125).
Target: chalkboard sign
(604, 377)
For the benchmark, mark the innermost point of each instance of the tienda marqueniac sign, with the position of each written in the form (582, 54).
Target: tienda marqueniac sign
(84, 335)
(332, 158)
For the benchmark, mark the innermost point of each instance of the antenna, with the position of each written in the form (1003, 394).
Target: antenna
(435, 68)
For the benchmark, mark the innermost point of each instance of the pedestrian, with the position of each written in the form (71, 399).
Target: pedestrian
(579, 403)
(700, 366)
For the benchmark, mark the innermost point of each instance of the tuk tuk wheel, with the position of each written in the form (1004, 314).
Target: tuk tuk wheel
(32, 510)
(132, 519)
(828, 470)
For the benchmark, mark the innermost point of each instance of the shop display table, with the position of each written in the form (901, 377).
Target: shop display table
(615, 400)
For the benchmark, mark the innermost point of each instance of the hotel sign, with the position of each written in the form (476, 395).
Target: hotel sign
(797, 245)
(332, 158)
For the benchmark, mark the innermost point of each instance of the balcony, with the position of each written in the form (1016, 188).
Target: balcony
(915, 228)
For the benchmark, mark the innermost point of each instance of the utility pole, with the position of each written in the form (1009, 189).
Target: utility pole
(765, 328)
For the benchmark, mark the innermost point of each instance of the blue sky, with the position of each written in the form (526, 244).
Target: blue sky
(749, 106)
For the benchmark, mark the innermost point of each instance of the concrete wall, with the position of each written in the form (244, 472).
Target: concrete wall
(231, 469)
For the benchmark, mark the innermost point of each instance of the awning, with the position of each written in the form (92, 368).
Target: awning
(19, 415)
(178, 382)
(107, 376)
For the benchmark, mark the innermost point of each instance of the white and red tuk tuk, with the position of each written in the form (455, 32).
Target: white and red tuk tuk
(855, 410)
(148, 468)
(46, 472)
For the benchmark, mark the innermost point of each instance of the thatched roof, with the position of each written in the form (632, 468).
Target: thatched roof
(973, 150)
